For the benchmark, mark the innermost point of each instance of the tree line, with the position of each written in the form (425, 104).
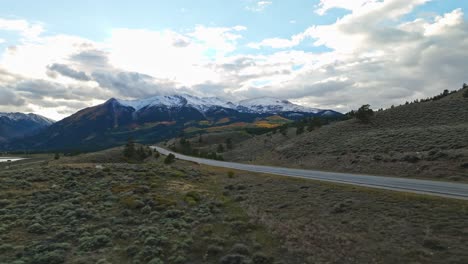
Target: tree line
(186, 148)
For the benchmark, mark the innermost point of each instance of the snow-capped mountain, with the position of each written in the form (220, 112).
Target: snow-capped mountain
(157, 118)
(170, 101)
(13, 125)
(265, 105)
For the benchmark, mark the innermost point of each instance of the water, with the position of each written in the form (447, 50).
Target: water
(5, 159)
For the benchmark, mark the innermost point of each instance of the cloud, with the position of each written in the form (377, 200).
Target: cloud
(377, 59)
(91, 58)
(26, 29)
(279, 43)
(68, 72)
(9, 98)
(221, 39)
(326, 5)
(130, 64)
(258, 6)
(32, 57)
(133, 84)
(349, 32)
(171, 55)
(41, 89)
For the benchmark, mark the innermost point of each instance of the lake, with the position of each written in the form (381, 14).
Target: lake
(5, 159)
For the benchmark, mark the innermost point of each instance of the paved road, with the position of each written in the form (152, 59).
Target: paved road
(436, 188)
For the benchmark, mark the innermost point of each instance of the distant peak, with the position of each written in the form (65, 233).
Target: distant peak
(112, 100)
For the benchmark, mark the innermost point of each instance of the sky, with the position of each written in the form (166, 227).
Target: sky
(57, 57)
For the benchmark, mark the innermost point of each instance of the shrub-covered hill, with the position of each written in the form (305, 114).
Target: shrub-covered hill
(427, 140)
(124, 213)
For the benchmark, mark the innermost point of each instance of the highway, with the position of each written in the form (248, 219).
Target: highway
(435, 188)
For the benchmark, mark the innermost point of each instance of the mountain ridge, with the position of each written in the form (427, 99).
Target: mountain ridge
(16, 125)
(269, 105)
(29, 116)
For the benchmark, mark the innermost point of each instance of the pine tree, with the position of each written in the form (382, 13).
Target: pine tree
(186, 146)
(220, 148)
(364, 113)
(142, 153)
(169, 159)
(129, 150)
(300, 128)
(284, 130)
(229, 144)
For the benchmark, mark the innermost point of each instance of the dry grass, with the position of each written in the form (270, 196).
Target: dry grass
(327, 223)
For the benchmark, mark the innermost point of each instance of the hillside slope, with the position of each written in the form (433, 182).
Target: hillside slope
(426, 140)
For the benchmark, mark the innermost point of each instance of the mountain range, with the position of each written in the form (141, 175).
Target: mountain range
(16, 125)
(264, 105)
(154, 119)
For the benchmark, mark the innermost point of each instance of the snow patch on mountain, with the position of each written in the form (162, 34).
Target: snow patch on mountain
(204, 104)
(160, 100)
(274, 105)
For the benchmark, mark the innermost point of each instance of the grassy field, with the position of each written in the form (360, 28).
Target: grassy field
(95, 208)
